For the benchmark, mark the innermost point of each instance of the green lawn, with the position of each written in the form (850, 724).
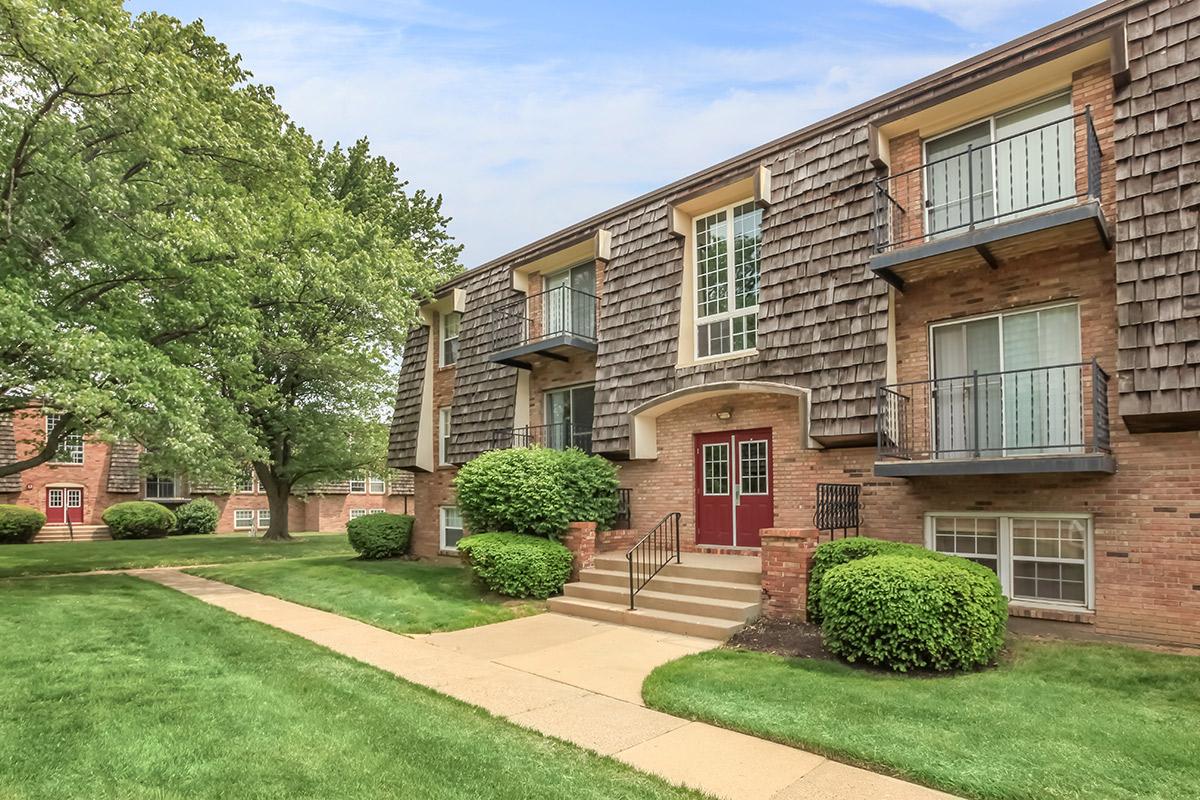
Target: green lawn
(401, 596)
(118, 688)
(56, 557)
(1056, 720)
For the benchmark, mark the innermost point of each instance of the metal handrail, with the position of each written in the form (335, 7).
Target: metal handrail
(655, 550)
(557, 435)
(996, 414)
(514, 324)
(885, 198)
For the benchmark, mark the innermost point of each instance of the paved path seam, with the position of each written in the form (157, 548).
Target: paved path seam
(576, 680)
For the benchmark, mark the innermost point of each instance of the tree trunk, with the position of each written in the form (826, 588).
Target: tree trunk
(278, 492)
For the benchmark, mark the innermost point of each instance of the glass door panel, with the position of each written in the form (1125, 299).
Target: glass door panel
(1043, 397)
(959, 418)
(959, 179)
(1035, 169)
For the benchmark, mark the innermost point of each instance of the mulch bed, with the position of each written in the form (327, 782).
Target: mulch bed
(782, 638)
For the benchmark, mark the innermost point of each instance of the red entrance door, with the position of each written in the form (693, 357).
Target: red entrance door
(64, 503)
(734, 496)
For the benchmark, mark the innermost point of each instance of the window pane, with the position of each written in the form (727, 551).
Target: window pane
(747, 235)
(712, 291)
(716, 469)
(753, 467)
(974, 538)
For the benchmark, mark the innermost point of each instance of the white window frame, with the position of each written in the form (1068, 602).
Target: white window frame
(376, 485)
(176, 487)
(443, 338)
(443, 447)
(699, 321)
(247, 514)
(355, 513)
(376, 511)
(442, 510)
(358, 485)
(72, 443)
(264, 517)
(991, 120)
(1004, 556)
(254, 487)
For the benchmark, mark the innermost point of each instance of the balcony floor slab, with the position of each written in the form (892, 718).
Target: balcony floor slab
(1009, 465)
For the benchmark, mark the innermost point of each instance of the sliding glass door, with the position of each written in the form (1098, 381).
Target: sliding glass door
(1008, 384)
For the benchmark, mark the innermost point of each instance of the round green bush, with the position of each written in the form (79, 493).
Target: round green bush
(196, 517)
(843, 551)
(536, 490)
(138, 519)
(19, 524)
(518, 565)
(906, 613)
(380, 535)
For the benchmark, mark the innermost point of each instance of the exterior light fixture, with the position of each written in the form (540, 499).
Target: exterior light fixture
(725, 413)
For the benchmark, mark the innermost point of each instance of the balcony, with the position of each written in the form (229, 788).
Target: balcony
(558, 436)
(552, 324)
(985, 202)
(1045, 419)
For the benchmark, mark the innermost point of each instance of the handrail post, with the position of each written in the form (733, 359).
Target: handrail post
(975, 408)
(970, 190)
(629, 558)
(677, 560)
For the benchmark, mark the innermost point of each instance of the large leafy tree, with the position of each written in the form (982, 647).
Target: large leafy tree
(349, 259)
(134, 157)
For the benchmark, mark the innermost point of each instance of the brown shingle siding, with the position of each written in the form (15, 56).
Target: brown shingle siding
(1157, 149)
(484, 392)
(124, 461)
(8, 454)
(402, 444)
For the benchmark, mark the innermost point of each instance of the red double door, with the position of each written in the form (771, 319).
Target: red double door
(64, 503)
(734, 493)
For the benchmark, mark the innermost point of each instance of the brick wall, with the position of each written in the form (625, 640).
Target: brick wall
(433, 489)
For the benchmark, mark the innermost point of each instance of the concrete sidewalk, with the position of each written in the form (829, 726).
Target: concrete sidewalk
(576, 680)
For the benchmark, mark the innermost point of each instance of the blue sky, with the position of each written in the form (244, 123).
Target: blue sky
(528, 116)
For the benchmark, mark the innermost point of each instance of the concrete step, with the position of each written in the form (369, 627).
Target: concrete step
(698, 566)
(653, 618)
(720, 590)
(82, 533)
(665, 601)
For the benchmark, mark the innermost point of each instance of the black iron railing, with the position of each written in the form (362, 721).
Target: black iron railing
(837, 508)
(984, 184)
(652, 552)
(561, 311)
(624, 518)
(1061, 410)
(557, 436)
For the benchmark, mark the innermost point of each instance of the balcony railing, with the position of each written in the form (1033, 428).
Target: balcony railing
(1005, 179)
(558, 436)
(558, 314)
(1059, 410)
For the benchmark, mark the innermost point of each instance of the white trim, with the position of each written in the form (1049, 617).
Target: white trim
(65, 448)
(442, 546)
(443, 443)
(442, 338)
(731, 312)
(373, 479)
(362, 480)
(249, 523)
(1004, 556)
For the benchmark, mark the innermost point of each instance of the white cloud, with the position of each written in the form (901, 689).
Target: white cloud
(522, 149)
(975, 15)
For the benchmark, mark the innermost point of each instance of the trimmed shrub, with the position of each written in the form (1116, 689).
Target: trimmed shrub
(138, 519)
(843, 551)
(536, 490)
(380, 535)
(905, 613)
(518, 565)
(19, 524)
(196, 517)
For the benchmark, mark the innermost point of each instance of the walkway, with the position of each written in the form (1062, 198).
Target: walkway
(576, 680)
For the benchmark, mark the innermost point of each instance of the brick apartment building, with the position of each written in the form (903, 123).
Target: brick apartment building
(975, 298)
(90, 475)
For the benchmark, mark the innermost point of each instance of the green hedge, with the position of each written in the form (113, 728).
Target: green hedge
(518, 565)
(138, 519)
(380, 535)
(905, 613)
(843, 551)
(196, 517)
(19, 524)
(536, 490)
